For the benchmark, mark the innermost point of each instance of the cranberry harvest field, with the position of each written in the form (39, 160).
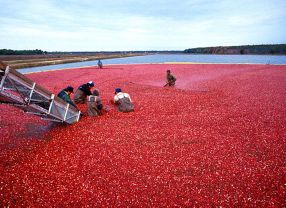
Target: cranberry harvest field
(216, 139)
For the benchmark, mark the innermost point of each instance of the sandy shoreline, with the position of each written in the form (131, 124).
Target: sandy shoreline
(26, 61)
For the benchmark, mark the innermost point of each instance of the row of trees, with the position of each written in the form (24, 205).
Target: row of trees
(40, 52)
(22, 52)
(245, 49)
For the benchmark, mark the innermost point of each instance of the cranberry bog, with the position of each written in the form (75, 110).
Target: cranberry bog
(216, 139)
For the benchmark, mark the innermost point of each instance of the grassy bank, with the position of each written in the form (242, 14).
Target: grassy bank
(24, 61)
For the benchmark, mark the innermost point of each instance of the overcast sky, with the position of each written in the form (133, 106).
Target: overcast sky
(109, 25)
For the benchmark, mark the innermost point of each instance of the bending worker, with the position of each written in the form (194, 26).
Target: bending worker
(171, 79)
(82, 92)
(94, 104)
(65, 95)
(123, 101)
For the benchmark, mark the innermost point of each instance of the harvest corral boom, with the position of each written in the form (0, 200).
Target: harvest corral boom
(19, 91)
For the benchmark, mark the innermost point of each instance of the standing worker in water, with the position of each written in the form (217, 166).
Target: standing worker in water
(99, 64)
(171, 79)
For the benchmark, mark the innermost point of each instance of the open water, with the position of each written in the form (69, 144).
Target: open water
(171, 58)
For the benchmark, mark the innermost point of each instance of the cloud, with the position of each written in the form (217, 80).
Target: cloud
(139, 25)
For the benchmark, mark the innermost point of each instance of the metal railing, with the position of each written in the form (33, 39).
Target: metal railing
(18, 90)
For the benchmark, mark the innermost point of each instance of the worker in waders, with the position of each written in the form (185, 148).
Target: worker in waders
(170, 79)
(123, 101)
(99, 64)
(94, 104)
(82, 92)
(65, 95)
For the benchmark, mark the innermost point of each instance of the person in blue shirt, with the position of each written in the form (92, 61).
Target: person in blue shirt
(99, 63)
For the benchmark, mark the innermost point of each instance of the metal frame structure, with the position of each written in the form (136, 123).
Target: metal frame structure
(17, 90)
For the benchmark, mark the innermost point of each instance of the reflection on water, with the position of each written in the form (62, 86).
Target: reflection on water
(255, 59)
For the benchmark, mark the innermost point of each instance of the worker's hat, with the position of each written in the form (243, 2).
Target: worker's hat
(118, 90)
(90, 83)
(69, 89)
(95, 92)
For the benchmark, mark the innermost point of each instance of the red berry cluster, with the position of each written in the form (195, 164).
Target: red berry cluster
(216, 139)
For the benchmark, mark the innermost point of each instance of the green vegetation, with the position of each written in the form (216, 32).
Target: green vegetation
(21, 52)
(245, 49)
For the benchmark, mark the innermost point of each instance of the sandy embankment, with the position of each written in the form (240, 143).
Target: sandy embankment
(26, 61)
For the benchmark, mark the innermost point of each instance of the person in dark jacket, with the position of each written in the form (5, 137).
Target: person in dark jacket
(171, 79)
(94, 104)
(65, 95)
(123, 101)
(82, 92)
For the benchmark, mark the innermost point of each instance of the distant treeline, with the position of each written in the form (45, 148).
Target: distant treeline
(21, 52)
(115, 52)
(40, 52)
(245, 49)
